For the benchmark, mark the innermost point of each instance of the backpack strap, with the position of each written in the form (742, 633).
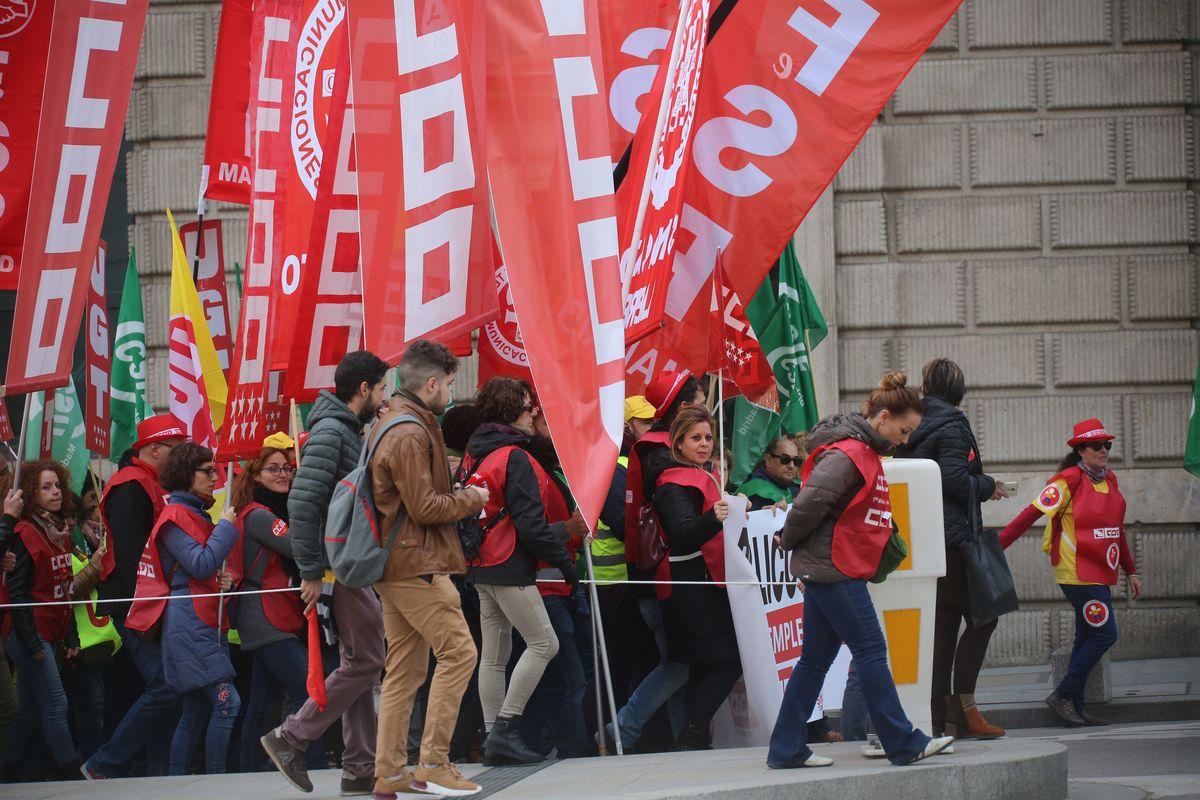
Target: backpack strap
(369, 452)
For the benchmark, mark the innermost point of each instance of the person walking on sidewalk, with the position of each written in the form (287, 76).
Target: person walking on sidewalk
(1086, 542)
(330, 453)
(410, 482)
(945, 436)
(837, 530)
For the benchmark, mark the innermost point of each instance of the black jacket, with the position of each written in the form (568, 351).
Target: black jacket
(945, 436)
(129, 520)
(536, 538)
(20, 590)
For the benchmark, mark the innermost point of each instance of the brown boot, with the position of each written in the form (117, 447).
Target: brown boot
(937, 708)
(975, 723)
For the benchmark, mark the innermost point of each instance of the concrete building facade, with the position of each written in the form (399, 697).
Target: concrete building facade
(1026, 205)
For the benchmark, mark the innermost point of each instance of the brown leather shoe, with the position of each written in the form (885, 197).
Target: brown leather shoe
(964, 720)
(979, 727)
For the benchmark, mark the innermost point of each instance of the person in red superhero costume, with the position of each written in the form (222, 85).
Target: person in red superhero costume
(43, 636)
(691, 509)
(1086, 543)
(837, 529)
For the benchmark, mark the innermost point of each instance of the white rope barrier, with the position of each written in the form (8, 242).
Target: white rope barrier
(297, 588)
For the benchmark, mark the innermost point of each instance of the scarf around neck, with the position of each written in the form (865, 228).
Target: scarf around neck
(275, 501)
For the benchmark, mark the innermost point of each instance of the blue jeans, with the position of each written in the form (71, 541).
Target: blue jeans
(144, 723)
(43, 704)
(662, 685)
(219, 703)
(1095, 633)
(554, 714)
(285, 664)
(836, 613)
(85, 687)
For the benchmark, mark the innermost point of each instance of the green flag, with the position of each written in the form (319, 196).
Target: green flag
(129, 404)
(69, 448)
(1191, 454)
(789, 324)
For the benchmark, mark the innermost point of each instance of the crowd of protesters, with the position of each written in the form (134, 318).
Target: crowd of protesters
(491, 655)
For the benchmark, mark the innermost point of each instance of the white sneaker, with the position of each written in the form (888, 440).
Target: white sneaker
(817, 761)
(934, 747)
(873, 748)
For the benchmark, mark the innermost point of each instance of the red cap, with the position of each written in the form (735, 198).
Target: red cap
(1090, 430)
(159, 428)
(664, 388)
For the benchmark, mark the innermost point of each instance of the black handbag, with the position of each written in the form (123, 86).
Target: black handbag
(991, 591)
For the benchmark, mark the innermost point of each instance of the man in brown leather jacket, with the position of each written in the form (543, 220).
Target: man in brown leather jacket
(410, 479)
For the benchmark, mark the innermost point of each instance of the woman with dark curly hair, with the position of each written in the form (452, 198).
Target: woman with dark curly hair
(183, 558)
(42, 636)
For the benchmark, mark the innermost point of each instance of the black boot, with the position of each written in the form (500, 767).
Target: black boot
(504, 744)
(694, 737)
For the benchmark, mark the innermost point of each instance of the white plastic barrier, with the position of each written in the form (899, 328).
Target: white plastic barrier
(905, 601)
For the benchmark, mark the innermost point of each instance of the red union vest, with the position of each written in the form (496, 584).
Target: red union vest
(53, 579)
(151, 582)
(633, 489)
(501, 540)
(282, 609)
(1100, 545)
(863, 529)
(544, 570)
(712, 551)
(145, 476)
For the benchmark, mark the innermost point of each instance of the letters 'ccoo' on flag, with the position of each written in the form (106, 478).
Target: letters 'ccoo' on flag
(198, 389)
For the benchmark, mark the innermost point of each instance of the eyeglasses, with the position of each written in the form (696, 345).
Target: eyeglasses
(531, 408)
(275, 469)
(788, 460)
(209, 471)
(1098, 446)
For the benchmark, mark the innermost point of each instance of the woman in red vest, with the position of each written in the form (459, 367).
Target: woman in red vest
(270, 626)
(837, 529)
(1086, 542)
(182, 558)
(43, 636)
(698, 621)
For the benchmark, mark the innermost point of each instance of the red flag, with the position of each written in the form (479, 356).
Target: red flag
(422, 184)
(207, 256)
(24, 43)
(89, 73)
(6, 431)
(330, 287)
(315, 682)
(770, 134)
(733, 347)
(225, 173)
(501, 348)
(47, 441)
(634, 36)
(651, 196)
(99, 361)
(552, 191)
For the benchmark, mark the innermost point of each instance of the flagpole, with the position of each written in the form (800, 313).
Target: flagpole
(294, 419)
(721, 424)
(601, 739)
(598, 622)
(16, 481)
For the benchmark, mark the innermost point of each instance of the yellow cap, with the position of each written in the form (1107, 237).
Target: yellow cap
(637, 407)
(279, 440)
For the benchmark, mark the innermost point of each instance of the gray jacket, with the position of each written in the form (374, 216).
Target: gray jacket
(331, 452)
(808, 530)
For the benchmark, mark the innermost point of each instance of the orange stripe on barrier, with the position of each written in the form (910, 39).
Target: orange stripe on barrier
(903, 630)
(900, 515)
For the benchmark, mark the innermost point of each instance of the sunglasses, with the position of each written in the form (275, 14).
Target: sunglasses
(531, 408)
(788, 460)
(1098, 446)
(275, 469)
(209, 471)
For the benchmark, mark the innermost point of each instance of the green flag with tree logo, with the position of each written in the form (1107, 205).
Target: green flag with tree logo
(129, 404)
(68, 447)
(789, 324)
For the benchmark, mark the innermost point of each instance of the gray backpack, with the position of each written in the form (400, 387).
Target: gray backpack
(355, 545)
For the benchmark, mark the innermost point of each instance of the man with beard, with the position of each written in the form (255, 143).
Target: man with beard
(330, 453)
(410, 483)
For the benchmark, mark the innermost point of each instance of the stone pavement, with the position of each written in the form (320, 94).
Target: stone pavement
(1152, 690)
(1027, 769)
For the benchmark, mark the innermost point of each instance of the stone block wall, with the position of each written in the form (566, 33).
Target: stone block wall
(1026, 205)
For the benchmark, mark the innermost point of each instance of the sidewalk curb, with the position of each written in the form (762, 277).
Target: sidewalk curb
(1119, 710)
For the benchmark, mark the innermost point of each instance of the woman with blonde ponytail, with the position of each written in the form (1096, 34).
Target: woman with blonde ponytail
(836, 530)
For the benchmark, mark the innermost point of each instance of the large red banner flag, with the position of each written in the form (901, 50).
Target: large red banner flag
(6, 431)
(788, 90)
(205, 250)
(89, 74)
(330, 287)
(98, 361)
(24, 44)
(225, 173)
(651, 197)
(501, 347)
(417, 82)
(552, 190)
